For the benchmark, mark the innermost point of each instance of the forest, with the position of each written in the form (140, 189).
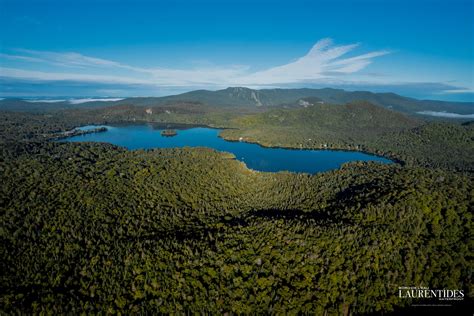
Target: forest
(362, 126)
(95, 228)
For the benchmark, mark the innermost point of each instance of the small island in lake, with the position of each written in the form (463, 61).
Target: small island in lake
(169, 133)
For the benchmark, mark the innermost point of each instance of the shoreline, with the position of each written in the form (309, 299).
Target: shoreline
(183, 126)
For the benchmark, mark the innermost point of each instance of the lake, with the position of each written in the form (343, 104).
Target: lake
(254, 156)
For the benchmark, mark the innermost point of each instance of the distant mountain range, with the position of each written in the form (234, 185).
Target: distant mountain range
(245, 97)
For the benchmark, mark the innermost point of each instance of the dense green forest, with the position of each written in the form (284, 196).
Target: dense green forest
(361, 126)
(97, 228)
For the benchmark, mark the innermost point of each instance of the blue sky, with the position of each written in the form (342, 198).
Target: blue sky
(421, 48)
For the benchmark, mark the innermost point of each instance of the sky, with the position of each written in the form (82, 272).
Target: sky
(104, 48)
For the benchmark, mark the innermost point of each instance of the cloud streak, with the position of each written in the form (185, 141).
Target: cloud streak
(69, 59)
(447, 114)
(13, 73)
(324, 61)
(26, 71)
(457, 91)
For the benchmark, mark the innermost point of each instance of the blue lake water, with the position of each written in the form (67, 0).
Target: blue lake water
(253, 155)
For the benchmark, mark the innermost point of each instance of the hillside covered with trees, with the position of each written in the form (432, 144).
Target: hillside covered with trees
(95, 228)
(238, 97)
(361, 126)
(91, 227)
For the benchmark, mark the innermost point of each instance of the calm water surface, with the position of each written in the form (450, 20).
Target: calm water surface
(253, 155)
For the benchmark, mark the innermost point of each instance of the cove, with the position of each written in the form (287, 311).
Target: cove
(254, 156)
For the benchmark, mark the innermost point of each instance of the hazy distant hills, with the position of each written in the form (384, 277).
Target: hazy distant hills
(238, 96)
(16, 104)
(245, 97)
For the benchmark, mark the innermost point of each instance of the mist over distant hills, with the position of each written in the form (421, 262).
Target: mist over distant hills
(245, 97)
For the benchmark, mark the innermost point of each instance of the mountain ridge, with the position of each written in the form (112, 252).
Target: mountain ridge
(246, 97)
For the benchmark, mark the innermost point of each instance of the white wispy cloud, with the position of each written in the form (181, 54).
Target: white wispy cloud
(56, 76)
(21, 58)
(73, 101)
(84, 100)
(447, 114)
(68, 59)
(45, 100)
(457, 91)
(324, 61)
